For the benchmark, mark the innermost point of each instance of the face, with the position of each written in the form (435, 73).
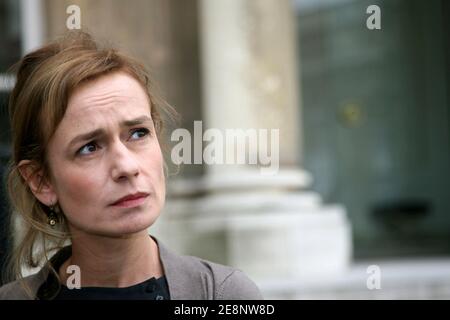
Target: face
(105, 148)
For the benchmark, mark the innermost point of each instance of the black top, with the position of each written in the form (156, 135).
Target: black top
(151, 289)
(51, 289)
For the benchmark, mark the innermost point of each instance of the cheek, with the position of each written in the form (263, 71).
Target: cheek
(77, 189)
(155, 170)
(152, 164)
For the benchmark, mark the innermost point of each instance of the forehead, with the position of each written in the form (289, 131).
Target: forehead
(103, 103)
(110, 93)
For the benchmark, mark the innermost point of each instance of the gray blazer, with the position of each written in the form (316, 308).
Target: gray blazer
(188, 278)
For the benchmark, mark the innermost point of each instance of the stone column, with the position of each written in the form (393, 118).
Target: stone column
(249, 69)
(270, 226)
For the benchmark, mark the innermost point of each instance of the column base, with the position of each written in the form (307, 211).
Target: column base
(267, 230)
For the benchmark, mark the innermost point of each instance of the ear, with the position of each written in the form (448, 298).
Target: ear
(39, 185)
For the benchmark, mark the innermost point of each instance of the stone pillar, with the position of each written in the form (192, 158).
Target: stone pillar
(270, 226)
(249, 69)
(32, 24)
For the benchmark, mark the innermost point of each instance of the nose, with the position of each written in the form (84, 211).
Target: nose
(125, 165)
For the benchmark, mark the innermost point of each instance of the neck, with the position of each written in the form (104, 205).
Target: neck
(114, 262)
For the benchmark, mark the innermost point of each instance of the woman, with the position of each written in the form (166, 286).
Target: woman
(87, 169)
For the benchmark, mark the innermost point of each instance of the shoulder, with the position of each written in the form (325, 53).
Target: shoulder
(9, 290)
(13, 291)
(232, 283)
(195, 278)
(24, 289)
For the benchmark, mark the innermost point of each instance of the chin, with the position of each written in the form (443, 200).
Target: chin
(125, 224)
(135, 223)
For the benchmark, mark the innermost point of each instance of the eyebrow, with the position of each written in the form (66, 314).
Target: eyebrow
(100, 132)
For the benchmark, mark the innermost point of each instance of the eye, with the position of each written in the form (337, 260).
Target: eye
(139, 133)
(87, 148)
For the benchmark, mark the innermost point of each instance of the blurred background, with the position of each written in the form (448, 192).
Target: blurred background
(364, 145)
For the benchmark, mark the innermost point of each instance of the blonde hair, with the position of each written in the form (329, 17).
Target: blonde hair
(46, 79)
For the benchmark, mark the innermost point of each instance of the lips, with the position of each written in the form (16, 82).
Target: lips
(130, 199)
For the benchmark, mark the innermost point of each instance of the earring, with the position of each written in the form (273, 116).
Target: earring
(52, 216)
